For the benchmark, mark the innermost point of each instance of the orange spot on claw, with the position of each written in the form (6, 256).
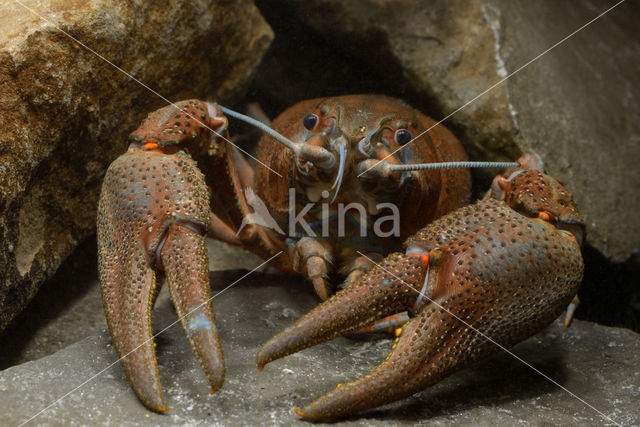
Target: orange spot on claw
(544, 216)
(151, 145)
(298, 412)
(425, 259)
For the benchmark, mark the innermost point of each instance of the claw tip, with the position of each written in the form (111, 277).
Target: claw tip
(298, 412)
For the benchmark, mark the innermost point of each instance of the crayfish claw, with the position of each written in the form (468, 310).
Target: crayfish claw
(483, 285)
(184, 257)
(390, 324)
(378, 294)
(152, 215)
(128, 315)
(401, 374)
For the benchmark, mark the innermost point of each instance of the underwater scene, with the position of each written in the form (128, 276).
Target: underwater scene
(373, 212)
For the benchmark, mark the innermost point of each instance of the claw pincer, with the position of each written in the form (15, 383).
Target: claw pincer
(495, 273)
(152, 218)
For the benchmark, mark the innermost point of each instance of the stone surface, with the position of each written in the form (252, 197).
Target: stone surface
(65, 113)
(578, 106)
(598, 364)
(66, 309)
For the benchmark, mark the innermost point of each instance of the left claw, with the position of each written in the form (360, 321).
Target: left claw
(152, 218)
(482, 275)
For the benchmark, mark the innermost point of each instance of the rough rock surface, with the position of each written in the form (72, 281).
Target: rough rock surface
(599, 364)
(578, 106)
(65, 113)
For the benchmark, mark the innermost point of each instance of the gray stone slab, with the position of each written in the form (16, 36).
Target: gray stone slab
(598, 364)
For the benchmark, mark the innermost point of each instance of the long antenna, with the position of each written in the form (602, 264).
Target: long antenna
(451, 165)
(266, 129)
(395, 168)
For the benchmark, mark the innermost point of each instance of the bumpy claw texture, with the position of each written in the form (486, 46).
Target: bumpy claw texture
(381, 293)
(152, 215)
(491, 271)
(170, 126)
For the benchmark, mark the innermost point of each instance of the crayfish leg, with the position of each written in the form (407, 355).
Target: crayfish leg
(389, 324)
(571, 310)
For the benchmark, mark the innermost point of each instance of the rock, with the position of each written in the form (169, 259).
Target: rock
(596, 363)
(66, 309)
(577, 106)
(65, 113)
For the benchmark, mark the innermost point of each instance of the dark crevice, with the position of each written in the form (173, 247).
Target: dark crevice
(610, 293)
(303, 63)
(74, 278)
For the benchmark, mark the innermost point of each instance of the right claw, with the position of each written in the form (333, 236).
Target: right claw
(377, 295)
(483, 277)
(152, 217)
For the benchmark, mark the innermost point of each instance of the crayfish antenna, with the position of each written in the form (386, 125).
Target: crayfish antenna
(258, 124)
(451, 165)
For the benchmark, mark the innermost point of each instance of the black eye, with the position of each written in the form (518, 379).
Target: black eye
(402, 136)
(310, 121)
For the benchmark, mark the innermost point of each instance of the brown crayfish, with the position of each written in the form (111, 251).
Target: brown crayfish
(323, 197)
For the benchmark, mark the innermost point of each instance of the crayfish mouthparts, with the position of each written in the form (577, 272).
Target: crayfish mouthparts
(317, 155)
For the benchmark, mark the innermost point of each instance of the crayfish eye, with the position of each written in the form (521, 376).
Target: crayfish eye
(402, 136)
(310, 121)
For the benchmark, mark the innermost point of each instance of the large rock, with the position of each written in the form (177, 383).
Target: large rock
(65, 113)
(598, 364)
(577, 106)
